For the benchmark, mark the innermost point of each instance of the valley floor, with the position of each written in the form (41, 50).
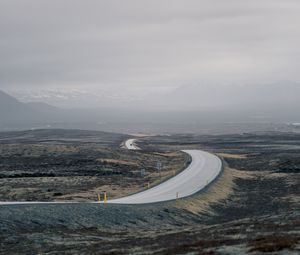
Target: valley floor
(253, 207)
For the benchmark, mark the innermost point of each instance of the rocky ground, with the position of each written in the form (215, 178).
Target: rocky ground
(48, 165)
(253, 207)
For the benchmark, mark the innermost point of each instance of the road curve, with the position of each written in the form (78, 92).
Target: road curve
(204, 168)
(130, 144)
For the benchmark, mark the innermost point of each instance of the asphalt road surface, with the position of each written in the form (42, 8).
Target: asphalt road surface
(130, 144)
(204, 168)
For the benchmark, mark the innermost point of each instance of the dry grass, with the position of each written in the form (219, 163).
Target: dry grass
(218, 192)
(168, 154)
(234, 156)
(112, 191)
(117, 161)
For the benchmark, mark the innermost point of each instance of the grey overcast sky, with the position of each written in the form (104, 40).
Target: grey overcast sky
(119, 48)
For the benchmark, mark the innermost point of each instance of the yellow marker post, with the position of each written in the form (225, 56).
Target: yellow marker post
(99, 198)
(105, 198)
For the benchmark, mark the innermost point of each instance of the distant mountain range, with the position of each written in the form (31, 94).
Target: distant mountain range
(216, 97)
(188, 107)
(15, 112)
(16, 115)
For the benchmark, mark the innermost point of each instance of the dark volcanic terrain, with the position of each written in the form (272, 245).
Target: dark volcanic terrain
(47, 165)
(253, 207)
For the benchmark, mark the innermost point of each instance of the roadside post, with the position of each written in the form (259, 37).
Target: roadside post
(158, 167)
(142, 172)
(99, 198)
(105, 198)
(148, 185)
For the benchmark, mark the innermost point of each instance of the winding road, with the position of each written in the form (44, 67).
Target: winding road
(130, 144)
(203, 170)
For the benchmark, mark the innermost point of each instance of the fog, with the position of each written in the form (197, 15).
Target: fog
(154, 56)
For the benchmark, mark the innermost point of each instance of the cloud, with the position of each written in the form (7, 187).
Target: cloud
(122, 46)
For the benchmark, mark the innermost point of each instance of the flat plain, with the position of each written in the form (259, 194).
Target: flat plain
(253, 207)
